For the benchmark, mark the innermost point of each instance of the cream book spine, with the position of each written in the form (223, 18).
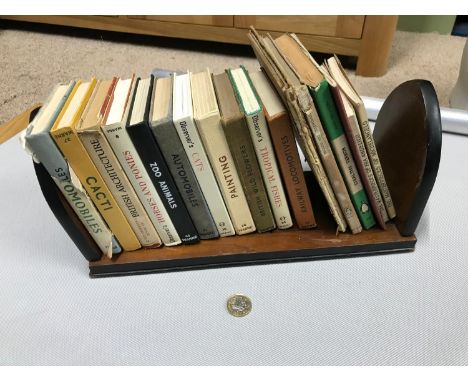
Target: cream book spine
(107, 164)
(258, 129)
(130, 162)
(212, 134)
(185, 126)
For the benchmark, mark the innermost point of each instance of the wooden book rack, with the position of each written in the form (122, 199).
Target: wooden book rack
(408, 137)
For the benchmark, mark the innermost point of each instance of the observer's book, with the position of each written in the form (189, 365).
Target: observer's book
(39, 143)
(140, 133)
(286, 151)
(251, 107)
(242, 149)
(176, 159)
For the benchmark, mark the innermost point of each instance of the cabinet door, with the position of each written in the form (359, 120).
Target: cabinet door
(221, 21)
(333, 26)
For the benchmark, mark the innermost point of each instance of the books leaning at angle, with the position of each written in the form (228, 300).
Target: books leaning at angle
(179, 159)
(46, 152)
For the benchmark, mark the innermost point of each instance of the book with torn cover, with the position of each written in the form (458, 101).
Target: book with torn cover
(309, 137)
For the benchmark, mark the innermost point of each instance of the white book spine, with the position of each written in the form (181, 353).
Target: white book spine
(109, 167)
(201, 166)
(222, 162)
(269, 168)
(133, 167)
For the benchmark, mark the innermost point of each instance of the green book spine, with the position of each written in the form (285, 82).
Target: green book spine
(334, 130)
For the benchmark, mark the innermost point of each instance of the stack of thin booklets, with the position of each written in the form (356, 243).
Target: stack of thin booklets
(163, 161)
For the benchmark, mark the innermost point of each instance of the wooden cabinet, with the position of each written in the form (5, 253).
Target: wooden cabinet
(333, 26)
(220, 21)
(367, 37)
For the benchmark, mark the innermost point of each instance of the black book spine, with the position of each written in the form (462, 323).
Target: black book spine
(185, 179)
(153, 160)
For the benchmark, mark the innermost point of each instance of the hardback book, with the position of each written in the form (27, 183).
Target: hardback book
(140, 133)
(176, 159)
(185, 126)
(113, 126)
(310, 138)
(243, 152)
(319, 85)
(208, 123)
(252, 108)
(369, 155)
(285, 148)
(64, 133)
(90, 133)
(44, 150)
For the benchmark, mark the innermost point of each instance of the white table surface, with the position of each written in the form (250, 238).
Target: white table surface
(402, 309)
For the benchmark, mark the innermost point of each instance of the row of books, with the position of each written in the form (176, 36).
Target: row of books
(175, 159)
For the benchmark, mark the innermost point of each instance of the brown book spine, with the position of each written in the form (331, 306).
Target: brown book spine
(361, 159)
(291, 170)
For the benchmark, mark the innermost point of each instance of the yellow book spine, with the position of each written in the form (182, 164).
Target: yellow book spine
(78, 158)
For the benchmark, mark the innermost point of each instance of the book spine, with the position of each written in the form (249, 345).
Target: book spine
(48, 154)
(107, 164)
(337, 138)
(66, 216)
(154, 163)
(329, 162)
(89, 176)
(243, 152)
(353, 133)
(214, 140)
(201, 167)
(290, 166)
(132, 165)
(184, 177)
(269, 168)
(374, 159)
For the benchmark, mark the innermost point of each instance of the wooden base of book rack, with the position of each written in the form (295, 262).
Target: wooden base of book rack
(259, 248)
(408, 138)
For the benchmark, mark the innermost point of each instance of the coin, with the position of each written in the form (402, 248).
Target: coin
(239, 305)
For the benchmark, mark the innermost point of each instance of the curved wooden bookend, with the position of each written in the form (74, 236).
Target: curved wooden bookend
(408, 137)
(18, 123)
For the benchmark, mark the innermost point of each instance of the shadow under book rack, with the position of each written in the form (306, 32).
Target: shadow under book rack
(408, 139)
